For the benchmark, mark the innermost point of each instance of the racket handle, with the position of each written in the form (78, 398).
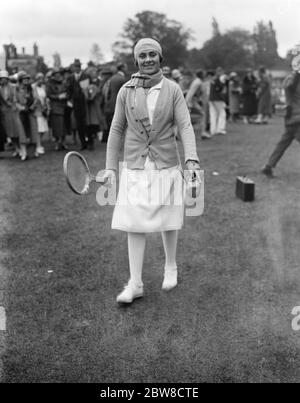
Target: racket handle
(97, 179)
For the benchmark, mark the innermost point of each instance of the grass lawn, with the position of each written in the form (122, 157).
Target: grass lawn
(229, 319)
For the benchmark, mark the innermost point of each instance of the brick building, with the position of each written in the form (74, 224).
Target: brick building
(16, 61)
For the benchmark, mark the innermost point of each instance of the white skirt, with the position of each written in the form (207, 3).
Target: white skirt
(149, 200)
(42, 124)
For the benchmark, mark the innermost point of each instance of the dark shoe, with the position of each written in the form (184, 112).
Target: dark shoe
(57, 147)
(83, 148)
(64, 147)
(268, 171)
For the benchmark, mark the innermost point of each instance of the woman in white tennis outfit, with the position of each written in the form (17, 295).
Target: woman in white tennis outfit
(151, 188)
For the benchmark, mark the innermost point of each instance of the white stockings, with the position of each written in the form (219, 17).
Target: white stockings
(136, 251)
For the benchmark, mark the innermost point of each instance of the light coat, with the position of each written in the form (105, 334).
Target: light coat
(160, 145)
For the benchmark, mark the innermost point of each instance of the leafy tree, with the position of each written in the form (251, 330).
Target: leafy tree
(96, 54)
(243, 38)
(172, 35)
(215, 27)
(237, 49)
(266, 45)
(196, 59)
(231, 50)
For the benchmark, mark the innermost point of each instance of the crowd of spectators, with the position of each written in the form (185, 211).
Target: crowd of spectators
(80, 103)
(64, 102)
(215, 97)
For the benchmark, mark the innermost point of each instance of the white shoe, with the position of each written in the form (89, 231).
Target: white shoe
(40, 150)
(170, 280)
(23, 152)
(15, 154)
(23, 156)
(130, 293)
(205, 135)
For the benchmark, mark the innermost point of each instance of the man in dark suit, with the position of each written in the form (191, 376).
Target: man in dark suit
(114, 85)
(2, 135)
(292, 119)
(76, 96)
(57, 94)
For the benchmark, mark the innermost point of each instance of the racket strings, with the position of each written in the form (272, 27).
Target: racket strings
(78, 174)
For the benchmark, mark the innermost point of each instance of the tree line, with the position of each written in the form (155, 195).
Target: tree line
(234, 49)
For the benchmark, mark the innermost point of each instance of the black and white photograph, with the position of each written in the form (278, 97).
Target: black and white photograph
(149, 194)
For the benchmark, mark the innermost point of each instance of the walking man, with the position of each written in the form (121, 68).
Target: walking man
(292, 118)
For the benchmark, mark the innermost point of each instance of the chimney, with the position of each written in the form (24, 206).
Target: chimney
(23, 51)
(35, 50)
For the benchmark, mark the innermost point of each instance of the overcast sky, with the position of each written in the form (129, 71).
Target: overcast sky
(70, 27)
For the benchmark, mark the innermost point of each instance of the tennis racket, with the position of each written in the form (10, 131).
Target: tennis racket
(78, 174)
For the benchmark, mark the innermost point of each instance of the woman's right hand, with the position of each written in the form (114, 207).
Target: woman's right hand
(109, 178)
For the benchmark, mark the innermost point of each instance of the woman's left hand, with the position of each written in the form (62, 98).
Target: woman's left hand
(193, 170)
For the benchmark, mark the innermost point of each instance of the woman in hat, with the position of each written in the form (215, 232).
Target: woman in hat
(264, 108)
(94, 114)
(150, 196)
(26, 105)
(10, 115)
(41, 109)
(234, 92)
(249, 99)
(57, 94)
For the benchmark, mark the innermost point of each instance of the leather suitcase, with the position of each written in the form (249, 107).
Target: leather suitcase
(245, 189)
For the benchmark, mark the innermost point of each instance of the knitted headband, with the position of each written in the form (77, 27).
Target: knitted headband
(146, 44)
